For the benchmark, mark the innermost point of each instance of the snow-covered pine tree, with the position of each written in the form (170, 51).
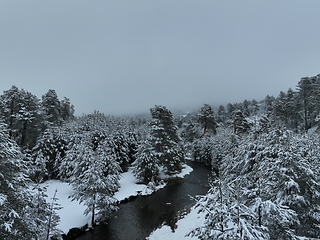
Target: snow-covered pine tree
(67, 109)
(221, 115)
(21, 112)
(240, 124)
(223, 144)
(206, 117)
(16, 206)
(226, 215)
(309, 183)
(245, 108)
(94, 179)
(269, 182)
(51, 108)
(132, 141)
(305, 89)
(260, 162)
(203, 149)
(292, 109)
(146, 165)
(49, 149)
(190, 129)
(301, 191)
(90, 165)
(165, 140)
(267, 105)
(53, 218)
(45, 213)
(121, 148)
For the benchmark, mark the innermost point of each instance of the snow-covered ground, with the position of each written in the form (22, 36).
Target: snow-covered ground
(184, 226)
(71, 214)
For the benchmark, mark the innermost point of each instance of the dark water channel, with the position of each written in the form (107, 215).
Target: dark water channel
(138, 218)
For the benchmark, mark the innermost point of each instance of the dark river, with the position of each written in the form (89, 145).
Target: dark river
(138, 218)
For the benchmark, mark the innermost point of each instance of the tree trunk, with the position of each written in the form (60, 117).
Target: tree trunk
(259, 216)
(93, 211)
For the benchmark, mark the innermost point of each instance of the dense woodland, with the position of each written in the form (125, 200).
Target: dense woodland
(264, 157)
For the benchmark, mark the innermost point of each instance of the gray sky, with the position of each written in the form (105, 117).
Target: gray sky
(123, 57)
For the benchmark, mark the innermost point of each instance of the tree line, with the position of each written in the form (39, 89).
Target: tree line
(264, 159)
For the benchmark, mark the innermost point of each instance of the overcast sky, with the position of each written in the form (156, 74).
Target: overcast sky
(123, 57)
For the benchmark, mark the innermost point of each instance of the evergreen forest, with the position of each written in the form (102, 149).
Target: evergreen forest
(264, 155)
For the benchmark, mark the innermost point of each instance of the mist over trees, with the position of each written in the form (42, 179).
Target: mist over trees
(264, 157)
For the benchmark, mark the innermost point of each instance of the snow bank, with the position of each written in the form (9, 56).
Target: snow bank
(184, 226)
(71, 214)
(130, 187)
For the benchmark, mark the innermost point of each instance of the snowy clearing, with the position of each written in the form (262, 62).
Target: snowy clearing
(71, 214)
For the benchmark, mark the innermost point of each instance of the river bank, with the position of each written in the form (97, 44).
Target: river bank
(71, 215)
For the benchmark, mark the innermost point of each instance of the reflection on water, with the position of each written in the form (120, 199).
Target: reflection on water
(137, 219)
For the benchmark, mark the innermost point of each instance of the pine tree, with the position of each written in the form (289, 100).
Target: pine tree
(306, 89)
(21, 112)
(254, 108)
(262, 189)
(203, 149)
(47, 219)
(280, 110)
(90, 165)
(230, 110)
(67, 109)
(267, 166)
(94, 178)
(49, 149)
(245, 108)
(51, 108)
(221, 115)
(291, 107)
(146, 166)
(190, 129)
(206, 117)
(121, 148)
(268, 105)
(10, 107)
(16, 205)
(226, 215)
(240, 124)
(165, 140)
